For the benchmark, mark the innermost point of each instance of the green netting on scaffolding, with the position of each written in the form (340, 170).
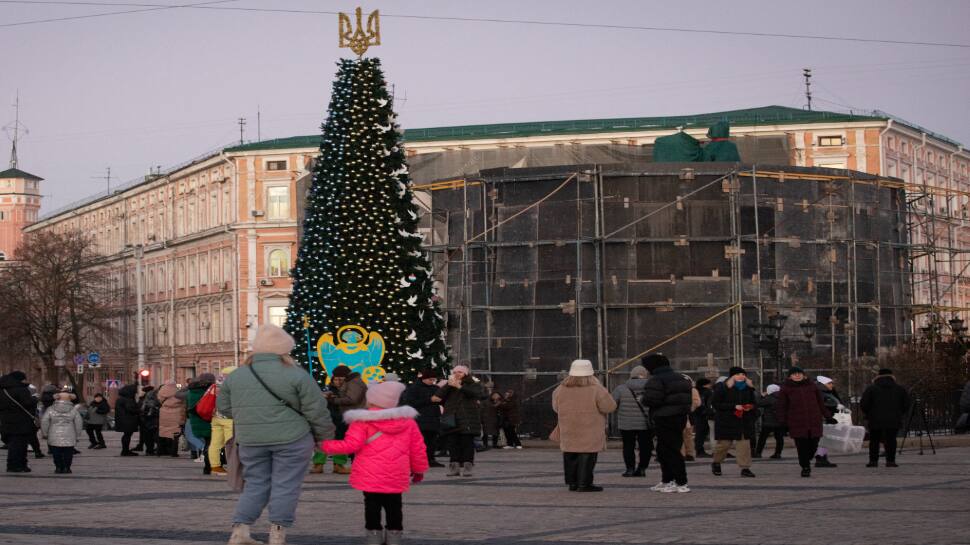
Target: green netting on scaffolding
(677, 148)
(720, 148)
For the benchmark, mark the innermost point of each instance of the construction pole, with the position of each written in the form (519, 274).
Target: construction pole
(757, 254)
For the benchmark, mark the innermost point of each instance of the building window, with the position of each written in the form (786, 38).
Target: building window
(278, 199)
(216, 325)
(830, 141)
(279, 263)
(277, 316)
(203, 270)
(192, 270)
(276, 165)
(214, 209)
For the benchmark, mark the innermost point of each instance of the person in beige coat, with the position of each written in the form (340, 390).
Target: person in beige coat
(582, 405)
(695, 401)
(171, 418)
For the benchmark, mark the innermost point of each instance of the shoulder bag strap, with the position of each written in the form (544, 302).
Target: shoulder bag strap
(17, 403)
(637, 401)
(272, 393)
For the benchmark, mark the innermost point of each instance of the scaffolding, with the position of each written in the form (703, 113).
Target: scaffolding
(540, 266)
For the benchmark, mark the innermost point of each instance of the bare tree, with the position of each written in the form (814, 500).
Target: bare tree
(54, 296)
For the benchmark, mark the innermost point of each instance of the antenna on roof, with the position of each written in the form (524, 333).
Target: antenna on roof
(242, 125)
(259, 125)
(14, 130)
(807, 72)
(106, 178)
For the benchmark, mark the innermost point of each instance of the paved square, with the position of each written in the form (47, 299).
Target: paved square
(516, 498)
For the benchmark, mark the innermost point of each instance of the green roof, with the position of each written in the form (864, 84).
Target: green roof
(767, 115)
(17, 173)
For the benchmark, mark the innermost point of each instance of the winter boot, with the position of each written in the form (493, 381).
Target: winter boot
(341, 469)
(716, 469)
(454, 469)
(629, 472)
(277, 535)
(240, 536)
(317, 468)
(374, 537)
(823, 461)
(467, 468)
(393, 537)
(640, 472)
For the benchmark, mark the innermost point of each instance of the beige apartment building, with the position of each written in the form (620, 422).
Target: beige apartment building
(216, 237)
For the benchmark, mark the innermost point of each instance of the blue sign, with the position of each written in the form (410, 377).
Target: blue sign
(94, 358)
(112, 383)
(79, 359)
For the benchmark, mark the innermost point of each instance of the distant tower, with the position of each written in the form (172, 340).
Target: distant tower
(19, 199)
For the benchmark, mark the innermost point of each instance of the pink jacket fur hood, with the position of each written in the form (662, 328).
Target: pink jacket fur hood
(388, 445)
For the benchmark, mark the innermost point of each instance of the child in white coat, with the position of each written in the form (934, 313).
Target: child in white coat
(62, 426)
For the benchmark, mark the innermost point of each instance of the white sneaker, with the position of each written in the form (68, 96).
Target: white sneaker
(518, 447)
(671, 488)
(681, 489)
(506, 447)
(660, 486)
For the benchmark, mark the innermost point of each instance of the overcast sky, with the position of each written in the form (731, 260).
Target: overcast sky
(136, 90)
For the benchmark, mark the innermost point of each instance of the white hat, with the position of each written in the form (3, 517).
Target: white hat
(581, 368)
(823, 380)
(772, 388)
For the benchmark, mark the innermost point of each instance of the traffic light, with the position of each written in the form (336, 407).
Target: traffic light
(146, 377)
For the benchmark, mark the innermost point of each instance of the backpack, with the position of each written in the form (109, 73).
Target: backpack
(206, 407)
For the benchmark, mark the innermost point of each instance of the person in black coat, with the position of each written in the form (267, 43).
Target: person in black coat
(735, 403)
(769, 423)
(127, 417)
(883, 403)
(18, 410)
(419, 396)
(668, 394)
(702, 415)
(148, 413)
(461, 398)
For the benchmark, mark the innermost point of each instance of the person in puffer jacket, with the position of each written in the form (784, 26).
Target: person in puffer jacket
(62, 426)
(390, 453)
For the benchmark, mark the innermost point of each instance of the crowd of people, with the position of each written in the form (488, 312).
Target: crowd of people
(267, 423)
(661, 411)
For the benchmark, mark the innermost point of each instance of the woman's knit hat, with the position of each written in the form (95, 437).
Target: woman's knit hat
(271, 339)
(772, 388)
(639, 372)
(385, 394)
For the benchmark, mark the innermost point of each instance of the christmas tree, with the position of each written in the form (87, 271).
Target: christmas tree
(360, 261)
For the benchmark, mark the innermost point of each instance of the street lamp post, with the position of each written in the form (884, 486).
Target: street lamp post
(767, 337)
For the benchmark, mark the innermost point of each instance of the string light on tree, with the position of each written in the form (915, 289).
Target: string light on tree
(360, 261)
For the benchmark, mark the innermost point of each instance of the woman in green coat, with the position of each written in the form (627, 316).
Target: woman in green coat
(200, 428)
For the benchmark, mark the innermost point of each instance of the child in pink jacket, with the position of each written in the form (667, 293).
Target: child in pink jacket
(390, 452)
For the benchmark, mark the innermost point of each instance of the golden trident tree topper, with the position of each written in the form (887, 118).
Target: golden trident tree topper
(358, 40)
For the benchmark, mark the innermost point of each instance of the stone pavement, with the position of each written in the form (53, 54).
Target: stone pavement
(516, 498)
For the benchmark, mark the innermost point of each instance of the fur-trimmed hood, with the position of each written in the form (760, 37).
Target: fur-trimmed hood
(383, 418)
(370, 415)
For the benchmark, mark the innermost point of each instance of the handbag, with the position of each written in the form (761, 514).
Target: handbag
(448, 423)
(206, 406)
(33, 417)
(234, 467)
